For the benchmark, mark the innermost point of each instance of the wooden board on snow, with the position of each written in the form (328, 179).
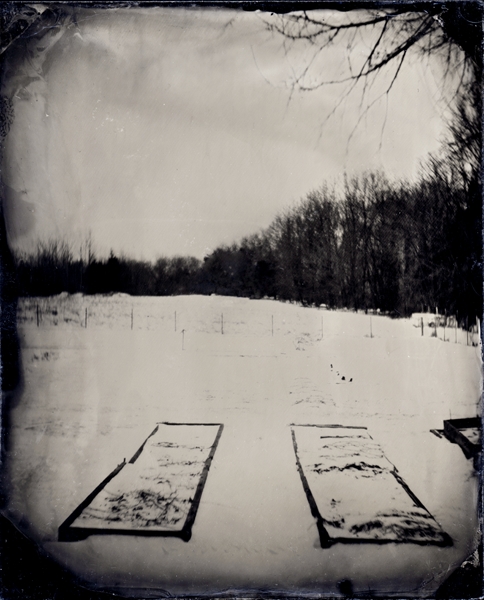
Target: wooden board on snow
(355, 493)
(157, 492)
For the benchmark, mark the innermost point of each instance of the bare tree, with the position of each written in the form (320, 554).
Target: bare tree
(391, 32)
(453, 29)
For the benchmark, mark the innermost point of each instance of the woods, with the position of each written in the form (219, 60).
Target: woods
(375, 244)
(395, 247)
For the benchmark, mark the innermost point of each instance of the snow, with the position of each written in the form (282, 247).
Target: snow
(92, 395)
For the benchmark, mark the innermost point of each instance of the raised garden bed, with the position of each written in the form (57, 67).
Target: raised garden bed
(466, 433)
(157, 492)
(354, 492)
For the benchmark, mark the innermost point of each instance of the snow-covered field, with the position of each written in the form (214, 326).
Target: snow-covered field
(100, 372)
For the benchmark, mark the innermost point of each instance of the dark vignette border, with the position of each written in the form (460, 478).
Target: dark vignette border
(26, 573)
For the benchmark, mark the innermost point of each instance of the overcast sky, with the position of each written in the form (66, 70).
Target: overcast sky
(171, 131)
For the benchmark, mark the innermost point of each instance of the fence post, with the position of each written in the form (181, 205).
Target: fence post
(131, 318)
(183, 339)
(222, 324)
(85, 319)
(421, 325)
(371, 330)
(38, 318)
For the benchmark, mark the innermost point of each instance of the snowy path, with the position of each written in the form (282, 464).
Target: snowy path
(92, 395)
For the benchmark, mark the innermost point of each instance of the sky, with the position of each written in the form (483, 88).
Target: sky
(171, 131)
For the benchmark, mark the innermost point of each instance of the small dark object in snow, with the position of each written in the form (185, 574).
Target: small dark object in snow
(343, 378)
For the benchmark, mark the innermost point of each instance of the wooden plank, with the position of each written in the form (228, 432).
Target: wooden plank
(354, 492)
(157, 492)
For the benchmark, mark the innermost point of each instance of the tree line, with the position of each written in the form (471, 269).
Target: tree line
(375, 244)
(399, 248)
(53, 268)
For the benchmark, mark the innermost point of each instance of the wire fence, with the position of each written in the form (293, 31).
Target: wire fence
(246, 317)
